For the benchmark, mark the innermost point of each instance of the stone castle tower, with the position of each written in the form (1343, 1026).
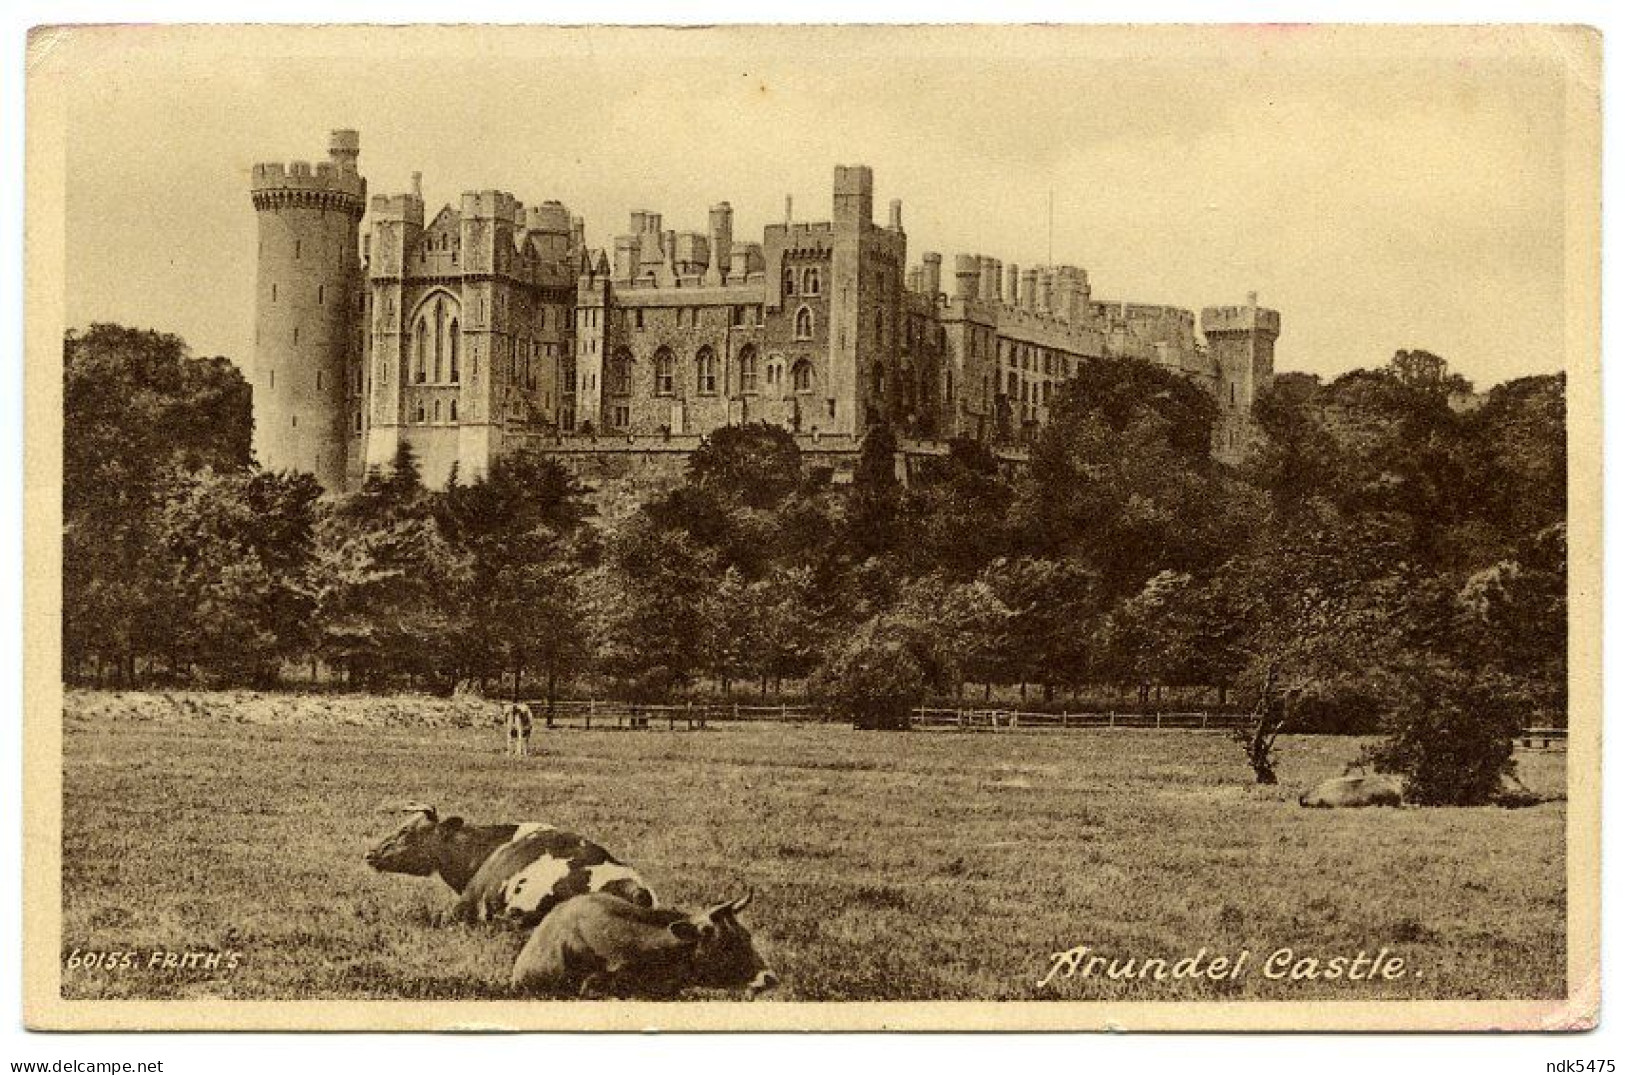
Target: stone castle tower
(307, 340)
(1241, 344)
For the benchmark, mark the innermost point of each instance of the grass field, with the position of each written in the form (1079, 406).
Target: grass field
(926, 865)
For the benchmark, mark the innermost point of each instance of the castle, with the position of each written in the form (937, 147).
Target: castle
(493, 325)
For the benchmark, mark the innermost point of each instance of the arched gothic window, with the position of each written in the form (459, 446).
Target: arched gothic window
(705, 371)
(789, 281)
(747, 369)
(801, 376)
(665, 373)
(880, 379)
(421, 347)
(804, 324)
(454, 410)
(455, 345)
(809, 281)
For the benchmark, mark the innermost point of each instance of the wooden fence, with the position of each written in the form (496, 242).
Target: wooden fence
(691, 716)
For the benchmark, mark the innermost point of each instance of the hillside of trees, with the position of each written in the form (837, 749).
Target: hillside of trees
(1379, 550)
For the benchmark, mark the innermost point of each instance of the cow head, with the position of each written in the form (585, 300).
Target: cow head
(723, 955)
(415, 847)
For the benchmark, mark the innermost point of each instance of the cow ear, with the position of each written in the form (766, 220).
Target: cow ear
(451, 825)
(685, 931)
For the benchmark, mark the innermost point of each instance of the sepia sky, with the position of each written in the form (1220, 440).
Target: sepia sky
(1382, 189)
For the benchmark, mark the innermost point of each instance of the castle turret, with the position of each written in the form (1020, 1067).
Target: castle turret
(931, 275)
(967, 276)
(305, 333)
(1241, 344)
(722, 241)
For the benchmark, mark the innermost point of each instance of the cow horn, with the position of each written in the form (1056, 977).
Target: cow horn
(417, 808)
(742, 902)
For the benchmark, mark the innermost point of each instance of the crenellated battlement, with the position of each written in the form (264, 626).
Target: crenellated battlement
(1250, 318)
(332, 184)
(492, 205)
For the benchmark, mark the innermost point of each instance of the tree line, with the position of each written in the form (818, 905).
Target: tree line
(1386, 554)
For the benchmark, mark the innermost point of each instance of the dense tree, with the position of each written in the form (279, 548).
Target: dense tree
(385, 575)
(756, 464)
(137, 410)
(240, 546)
(514, 530)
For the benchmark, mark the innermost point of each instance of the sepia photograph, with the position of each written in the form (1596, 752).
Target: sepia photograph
(813, 528)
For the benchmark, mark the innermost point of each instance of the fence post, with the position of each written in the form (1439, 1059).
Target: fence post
(1063, 720)
(736, 711)
(784, 713)
(1111, 718)
(691, 714)
(1159, 718)
(1204, 721)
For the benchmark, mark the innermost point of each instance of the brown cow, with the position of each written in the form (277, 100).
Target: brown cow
(513, 872)
(1355, 791)
(598, 945)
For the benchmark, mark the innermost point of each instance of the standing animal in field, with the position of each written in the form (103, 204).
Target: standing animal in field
(598, 945)
(517, 717)
(1342, 791)
(512, 872)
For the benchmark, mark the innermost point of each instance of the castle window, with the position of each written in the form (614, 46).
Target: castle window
(296, 246)
(789, 281)
(296, 334)
(623, 416)
(417, 412)
(273, 378)
(439, 337)
(879, 379)
(1013, 383)
(321, 295)
(705, 370)
(809, 282)
(456, 348)
(665, 373)
(294, 421)
(1232, 393)
(437, 410)
(747, 370)
(454, 410)
(880, 327)
(318, 380)
(804, 324)
(801, 376)
(620, 374)
(356, 421)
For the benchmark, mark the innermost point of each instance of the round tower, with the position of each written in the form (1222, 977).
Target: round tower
(306, 313)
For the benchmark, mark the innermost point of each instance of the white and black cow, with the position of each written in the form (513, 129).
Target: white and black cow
(518, 718)
(511, 872)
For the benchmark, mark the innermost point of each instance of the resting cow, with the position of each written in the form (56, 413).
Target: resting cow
(598, 945)
(1355, 791)
(516, 873)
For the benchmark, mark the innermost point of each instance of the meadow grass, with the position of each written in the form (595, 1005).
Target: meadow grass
(897, 866)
